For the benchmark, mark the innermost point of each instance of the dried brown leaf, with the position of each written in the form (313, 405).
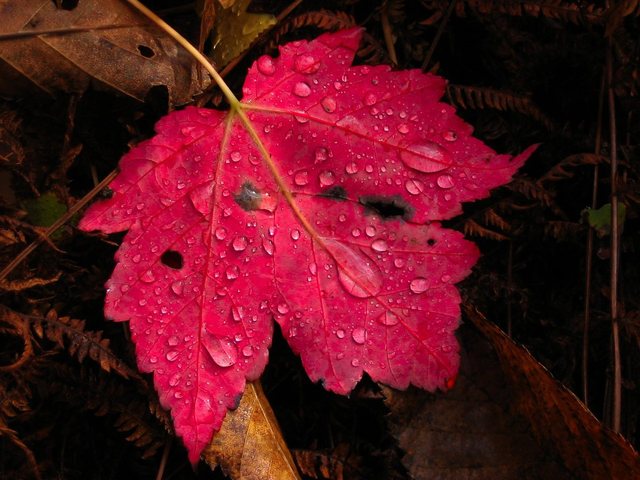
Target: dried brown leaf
(100, 43)
(558, 420)
(249, 446)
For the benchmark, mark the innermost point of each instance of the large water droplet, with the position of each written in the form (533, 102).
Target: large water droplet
(174, 380)
(301, 178)
(445, 181)
(283, 308)
(237, 313)
(268, 246)
(329, 104)
(351, 168)
(301, 89)
(370, 99)
(340, 333)
(232, 272)
(239, 243)
(414, 186)
(357, 273)
(306, 64)
(419, 285)
(359, 335)
(327, 178)
(177, 287)
(172, 355)
(148, 277)
(321, 154)
(380, 245)
(295, 234)
(450, 136)
(266, 66)
(223, 352)
(403, 128)
(426, 157)
(221, 233)
(247, 351)
(173, 341)
(389, 318)
(370, 231)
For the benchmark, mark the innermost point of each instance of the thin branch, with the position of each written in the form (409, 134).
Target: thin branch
(616, 407)
(436, 39)
(589, 251)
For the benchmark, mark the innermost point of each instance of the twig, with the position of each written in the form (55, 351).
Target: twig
(436, 39)
(163, 460)
(589, 252)
(57, 224)
(616, 407)
(388, 33)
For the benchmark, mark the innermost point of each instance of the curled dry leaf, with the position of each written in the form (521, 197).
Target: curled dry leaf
(249, 445)
(99, 43)
(312, 202)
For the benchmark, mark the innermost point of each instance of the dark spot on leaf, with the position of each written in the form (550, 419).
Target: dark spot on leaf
(387, 207)
(172, 259)
(146, 51)
(431, 242)
(337, 193)
(106, 193)
(248, 197)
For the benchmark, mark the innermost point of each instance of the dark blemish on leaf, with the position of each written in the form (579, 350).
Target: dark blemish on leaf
(106, 193)
(248, 197)
(387, 207)
(236, 401)
(172, 259)
(146, 51)
(431, 242)
(336, 193)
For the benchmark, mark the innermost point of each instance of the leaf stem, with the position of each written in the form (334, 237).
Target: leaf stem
(231, 98)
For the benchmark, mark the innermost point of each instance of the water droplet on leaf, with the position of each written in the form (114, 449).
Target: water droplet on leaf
(266, 66)
(301, 89)
(418, 285)
(426, 157)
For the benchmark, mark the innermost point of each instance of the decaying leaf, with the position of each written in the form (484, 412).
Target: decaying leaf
(236, 29)
(99, 43)
(558, 420)
(471, 432)
(249, 446)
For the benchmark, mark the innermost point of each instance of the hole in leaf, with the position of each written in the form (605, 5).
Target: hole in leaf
(172, 259)
(146, 51)
(431, 242)
(66, 4)
(248, 197)
(387, 207)
(337, 193)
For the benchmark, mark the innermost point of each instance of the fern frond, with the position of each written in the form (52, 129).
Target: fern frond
(563, 230)
(80, 343)
(479, 98)
(561, 170)
(472, 228)
(370, 50)
(94, 392)
(15, 439)
(490, 217)
(554, 9)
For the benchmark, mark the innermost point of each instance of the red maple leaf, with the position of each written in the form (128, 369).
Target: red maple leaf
(330, 230)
